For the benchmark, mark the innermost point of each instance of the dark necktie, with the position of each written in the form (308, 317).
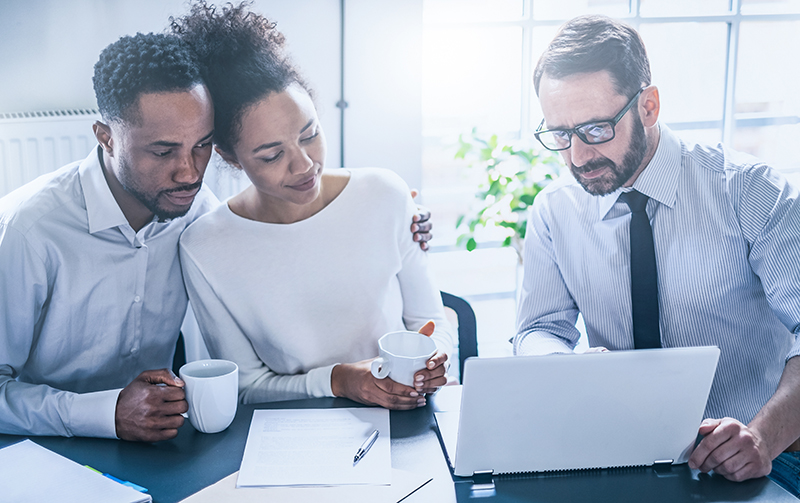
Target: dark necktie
(644, 277)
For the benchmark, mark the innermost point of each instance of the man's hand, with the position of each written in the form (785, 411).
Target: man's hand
(597, 349)
(356, 382)
(420, 224)
(149, 409)
(731, 449)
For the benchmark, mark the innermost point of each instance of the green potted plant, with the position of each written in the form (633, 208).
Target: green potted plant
(511, 178)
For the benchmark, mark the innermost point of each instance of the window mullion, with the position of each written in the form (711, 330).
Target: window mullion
(728, 110)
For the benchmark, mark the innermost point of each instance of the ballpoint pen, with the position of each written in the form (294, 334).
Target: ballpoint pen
(365, 447)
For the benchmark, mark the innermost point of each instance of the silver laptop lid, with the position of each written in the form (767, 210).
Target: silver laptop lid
(598, 410)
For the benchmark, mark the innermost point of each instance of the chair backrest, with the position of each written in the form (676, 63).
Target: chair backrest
(467, 329)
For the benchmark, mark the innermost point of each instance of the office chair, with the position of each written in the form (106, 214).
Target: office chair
(467, 329)
(179, 359)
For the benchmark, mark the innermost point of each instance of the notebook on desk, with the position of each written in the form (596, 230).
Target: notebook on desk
(569, 412)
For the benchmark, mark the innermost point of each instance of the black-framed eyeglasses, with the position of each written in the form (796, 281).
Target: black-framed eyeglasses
(591, 133)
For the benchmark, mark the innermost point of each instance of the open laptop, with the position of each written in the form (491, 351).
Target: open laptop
(567, 412)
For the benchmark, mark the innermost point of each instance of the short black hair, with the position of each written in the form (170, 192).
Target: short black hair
(243, 60)
(588, 44)
(144, 63)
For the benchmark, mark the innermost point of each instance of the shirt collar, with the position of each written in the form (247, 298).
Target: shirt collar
(659, 180)
(101, 208)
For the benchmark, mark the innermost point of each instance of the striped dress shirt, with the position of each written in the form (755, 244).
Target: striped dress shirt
(727, 239)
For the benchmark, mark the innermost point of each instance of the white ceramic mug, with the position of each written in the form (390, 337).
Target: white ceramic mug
(212, 390)
(401, 355)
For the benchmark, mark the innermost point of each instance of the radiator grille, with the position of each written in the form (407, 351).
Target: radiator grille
(35, 143)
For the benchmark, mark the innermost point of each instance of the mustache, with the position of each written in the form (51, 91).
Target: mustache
(183, 188)
(593, 165)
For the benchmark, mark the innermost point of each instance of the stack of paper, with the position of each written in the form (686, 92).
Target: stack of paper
(313, 447)
(31, 473)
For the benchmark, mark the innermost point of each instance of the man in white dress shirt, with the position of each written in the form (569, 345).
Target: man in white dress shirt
(724, 228)
(90, 280)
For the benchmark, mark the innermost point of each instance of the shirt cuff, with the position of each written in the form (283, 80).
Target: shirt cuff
(318, 381)
(539, 343)
(94, 414)
(795, 351)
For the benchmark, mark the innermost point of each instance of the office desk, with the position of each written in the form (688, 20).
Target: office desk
(175, 469)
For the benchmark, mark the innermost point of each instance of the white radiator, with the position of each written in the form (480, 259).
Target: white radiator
(35, 143)
(32, 144)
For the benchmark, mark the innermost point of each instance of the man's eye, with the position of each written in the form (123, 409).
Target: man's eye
(597, 132)
(203, 145)
(162, 154)
(561, 135)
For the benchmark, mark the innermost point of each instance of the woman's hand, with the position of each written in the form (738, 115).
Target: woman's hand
(356, 382)
(434, 376)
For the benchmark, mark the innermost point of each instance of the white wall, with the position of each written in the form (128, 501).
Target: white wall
(48, 49)
(383, 86)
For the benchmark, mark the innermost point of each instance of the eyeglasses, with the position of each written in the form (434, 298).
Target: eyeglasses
(591, 133)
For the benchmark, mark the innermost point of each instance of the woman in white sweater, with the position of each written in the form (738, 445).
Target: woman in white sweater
(277, 282)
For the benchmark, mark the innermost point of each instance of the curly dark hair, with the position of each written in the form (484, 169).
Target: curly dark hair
(144, 63)
(242, 58)
(588, 44)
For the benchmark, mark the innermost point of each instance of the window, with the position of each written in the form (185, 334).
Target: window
(724, 69)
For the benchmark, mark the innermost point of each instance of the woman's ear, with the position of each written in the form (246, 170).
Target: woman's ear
(103, 134)
(229, 158)
(651, 106)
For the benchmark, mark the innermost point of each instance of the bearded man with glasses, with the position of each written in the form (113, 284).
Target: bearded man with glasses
(659, 243)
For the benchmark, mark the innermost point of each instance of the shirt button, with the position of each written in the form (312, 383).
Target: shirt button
(137, 299)
(134, 350)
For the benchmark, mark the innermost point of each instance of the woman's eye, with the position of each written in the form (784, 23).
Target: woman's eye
(273, 158)
(309, 138)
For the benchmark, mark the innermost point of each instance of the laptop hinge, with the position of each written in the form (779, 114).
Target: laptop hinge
(662, 467)
(482, 484)
(482, 476)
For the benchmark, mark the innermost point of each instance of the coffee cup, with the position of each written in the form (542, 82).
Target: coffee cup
(401, 355)
(212, 390)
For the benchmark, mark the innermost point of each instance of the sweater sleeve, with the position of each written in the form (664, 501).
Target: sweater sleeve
(225, 339)
(422, 301)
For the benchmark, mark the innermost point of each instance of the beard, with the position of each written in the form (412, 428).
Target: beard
(617, 174)
(151, 201)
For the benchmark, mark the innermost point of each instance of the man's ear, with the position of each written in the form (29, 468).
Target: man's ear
(229, 158)
(103, 134)
(651, 106)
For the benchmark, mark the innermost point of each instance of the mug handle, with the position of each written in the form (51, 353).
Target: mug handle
(380, 367)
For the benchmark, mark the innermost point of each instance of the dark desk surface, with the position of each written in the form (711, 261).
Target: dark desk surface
(175, 469)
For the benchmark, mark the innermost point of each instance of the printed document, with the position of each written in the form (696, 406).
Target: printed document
(315, 447)
(31, 473)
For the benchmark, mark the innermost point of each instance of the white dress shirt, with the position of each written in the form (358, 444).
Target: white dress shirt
(87, 303)
(287, 302)
(726, 230)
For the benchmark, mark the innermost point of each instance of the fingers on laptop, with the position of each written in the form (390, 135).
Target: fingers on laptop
(730, 449)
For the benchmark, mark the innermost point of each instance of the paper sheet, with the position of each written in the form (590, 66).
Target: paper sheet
(307, 447)
(403, 484)
(31, 473)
